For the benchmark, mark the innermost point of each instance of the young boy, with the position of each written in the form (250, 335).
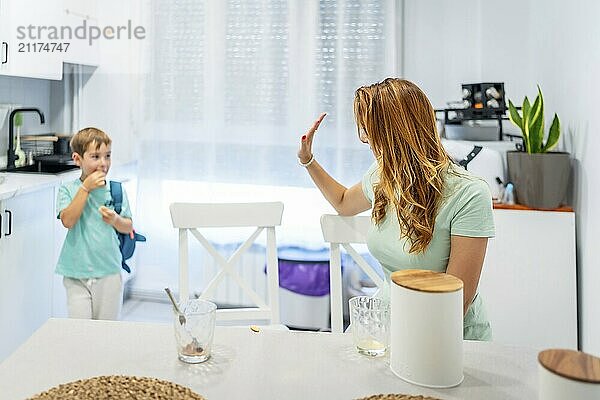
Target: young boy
(90, 260)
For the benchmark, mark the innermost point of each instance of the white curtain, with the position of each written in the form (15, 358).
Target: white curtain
(232, 86)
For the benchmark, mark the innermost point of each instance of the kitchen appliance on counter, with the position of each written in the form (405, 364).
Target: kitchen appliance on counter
(62, 144)
(483, 100)
(484, 159)
(478, 116)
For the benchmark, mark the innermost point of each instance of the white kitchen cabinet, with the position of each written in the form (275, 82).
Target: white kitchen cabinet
(59, 294)
(529, 279)
(76, 13)
(26, 266)
(28, 55)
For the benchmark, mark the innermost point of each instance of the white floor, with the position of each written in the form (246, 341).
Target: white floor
(146, 311)
(162, 312)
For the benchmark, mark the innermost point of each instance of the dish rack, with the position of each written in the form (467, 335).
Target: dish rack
(38, 145)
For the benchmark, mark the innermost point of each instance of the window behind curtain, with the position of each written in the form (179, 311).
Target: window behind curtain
(245, 78)
(232, 87)
(256, 63)
(177, 60)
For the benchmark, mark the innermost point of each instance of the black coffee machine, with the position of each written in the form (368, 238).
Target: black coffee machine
(480, 101)
(483, 100)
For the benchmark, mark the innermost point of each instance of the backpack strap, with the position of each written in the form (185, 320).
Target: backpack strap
(116, 191)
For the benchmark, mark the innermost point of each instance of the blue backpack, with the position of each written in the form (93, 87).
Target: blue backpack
(126, 240)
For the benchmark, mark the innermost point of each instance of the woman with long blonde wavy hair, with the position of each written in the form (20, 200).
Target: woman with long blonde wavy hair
(427, 212)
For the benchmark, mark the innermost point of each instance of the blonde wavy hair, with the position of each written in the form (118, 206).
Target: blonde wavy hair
(399, 123)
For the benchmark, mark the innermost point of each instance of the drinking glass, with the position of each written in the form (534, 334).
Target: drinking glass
(194, 333)
(370, 324)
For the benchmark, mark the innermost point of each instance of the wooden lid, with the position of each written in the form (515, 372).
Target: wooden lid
(427, 281)
(571, 364)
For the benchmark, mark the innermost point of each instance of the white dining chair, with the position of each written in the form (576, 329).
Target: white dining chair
(188, 217)
(344, 231)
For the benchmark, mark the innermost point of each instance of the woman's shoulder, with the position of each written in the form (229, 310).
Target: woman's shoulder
(462, 183)
(373, 171)
(371, 176)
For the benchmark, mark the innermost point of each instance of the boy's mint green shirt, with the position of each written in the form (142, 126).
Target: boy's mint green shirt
(91, 248)
(466, 210)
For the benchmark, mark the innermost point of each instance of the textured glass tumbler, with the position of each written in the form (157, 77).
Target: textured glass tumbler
(194, 332)
(370, 325)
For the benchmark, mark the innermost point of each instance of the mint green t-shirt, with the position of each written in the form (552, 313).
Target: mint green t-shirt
(466, 210)
(91, 248)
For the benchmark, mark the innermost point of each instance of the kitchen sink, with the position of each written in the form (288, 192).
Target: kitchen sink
(45, 168)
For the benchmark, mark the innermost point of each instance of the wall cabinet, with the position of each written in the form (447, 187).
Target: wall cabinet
(529, 279)
(26, 266)
(25, 54)
(77, 13)
(29, 49)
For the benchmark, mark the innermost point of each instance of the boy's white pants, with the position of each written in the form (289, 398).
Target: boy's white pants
(94, 298)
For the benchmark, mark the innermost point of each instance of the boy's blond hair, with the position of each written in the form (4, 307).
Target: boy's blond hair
(86, 137)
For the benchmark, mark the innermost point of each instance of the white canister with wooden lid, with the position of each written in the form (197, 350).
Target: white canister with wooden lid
(427, 328)
(568, 374)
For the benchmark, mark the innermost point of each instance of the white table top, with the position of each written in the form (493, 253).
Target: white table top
(269, 364)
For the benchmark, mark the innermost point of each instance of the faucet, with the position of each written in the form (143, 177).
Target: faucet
(11, 157)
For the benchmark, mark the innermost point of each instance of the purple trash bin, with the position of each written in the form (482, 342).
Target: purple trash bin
(304, 279)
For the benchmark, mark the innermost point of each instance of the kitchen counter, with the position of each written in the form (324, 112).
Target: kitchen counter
(13, 184)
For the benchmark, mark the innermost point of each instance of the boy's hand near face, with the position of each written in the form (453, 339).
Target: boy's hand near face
(95, 180)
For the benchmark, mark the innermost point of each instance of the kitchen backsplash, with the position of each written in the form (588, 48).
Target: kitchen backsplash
(25, 92)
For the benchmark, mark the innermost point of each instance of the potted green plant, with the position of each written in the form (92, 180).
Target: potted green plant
(540, 177)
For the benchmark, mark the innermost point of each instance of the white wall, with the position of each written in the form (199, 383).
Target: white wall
(111, 95)
(523, 43)
(442, 49)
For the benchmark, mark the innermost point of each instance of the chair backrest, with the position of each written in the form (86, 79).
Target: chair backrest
(191, 216)
(342, 231)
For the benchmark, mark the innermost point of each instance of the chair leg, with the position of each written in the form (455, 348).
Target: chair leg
(273, 276)
(335, 288)
(183, 266)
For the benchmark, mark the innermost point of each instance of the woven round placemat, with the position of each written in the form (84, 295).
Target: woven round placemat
(118, 388)
(396, 397)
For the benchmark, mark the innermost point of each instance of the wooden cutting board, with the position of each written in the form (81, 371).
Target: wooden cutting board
(45, 138)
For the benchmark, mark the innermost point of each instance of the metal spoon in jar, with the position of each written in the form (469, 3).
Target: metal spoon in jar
(177, 310)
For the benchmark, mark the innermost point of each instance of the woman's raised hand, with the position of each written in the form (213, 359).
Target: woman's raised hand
(305, 154)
